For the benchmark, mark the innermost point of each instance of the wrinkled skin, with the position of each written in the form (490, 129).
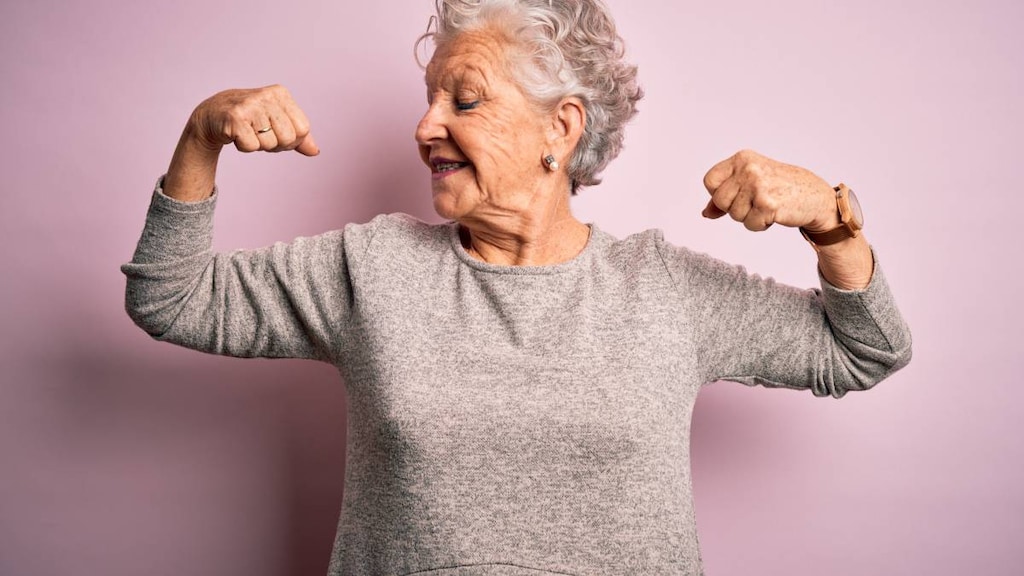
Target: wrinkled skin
(513, 207)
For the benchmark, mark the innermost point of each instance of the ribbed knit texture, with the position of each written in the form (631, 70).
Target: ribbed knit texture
(509, 420)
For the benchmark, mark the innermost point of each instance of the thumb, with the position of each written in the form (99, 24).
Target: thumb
(711, 211)
(308, 146)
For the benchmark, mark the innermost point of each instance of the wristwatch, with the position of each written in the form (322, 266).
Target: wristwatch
(851, 220)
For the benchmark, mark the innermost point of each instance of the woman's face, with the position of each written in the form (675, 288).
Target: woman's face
(480, 137)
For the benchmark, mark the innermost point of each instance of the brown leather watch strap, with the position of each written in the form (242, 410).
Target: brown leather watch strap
(827, 238)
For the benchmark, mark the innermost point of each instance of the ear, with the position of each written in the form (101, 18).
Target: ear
(567, 124)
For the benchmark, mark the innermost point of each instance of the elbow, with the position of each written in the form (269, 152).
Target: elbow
(902, 357)
(153, 316)
(172, 302)
(897, 357)
(858, 370)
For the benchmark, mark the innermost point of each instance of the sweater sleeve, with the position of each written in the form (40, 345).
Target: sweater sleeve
(754, 330)
(289, 300)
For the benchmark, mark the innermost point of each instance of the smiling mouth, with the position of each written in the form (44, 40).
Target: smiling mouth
(444, 167)
(449, 166)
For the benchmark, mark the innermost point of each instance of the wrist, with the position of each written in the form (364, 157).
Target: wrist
(198, 145)
(844, 220)
(823, 224)
(828, 217)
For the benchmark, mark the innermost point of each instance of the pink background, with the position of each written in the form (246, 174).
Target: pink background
(123, 456)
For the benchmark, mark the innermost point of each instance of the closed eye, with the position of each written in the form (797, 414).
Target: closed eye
(467, 105)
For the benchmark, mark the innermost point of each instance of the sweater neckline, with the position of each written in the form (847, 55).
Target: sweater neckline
(562, 267)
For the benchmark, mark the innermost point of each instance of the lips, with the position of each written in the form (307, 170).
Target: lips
(449, 166)
(446, 164)
(442, 167)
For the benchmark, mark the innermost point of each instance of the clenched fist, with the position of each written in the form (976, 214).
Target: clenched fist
(253, 119)
(759, 192)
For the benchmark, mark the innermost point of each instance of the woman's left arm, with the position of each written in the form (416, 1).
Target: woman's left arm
(760, 192)
(847, 336)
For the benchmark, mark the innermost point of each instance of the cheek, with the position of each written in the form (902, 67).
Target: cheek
(507, 141)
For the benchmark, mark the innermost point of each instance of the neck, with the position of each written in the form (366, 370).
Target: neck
(535, 238)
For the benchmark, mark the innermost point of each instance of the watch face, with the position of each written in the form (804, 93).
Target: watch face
(858, 216)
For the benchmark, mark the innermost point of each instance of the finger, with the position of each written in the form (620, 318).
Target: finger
(283, 131)
(713, 212)
(757, 223)
(307, 146)
(297, 117)
(305, 143)
(763, 213)
(266, 135)
(719, 173)
(244, 137)
(742, 204)
(724, 196)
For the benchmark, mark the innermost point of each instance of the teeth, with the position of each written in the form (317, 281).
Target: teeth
(448, 166)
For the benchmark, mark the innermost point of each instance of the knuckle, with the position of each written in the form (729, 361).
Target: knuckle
(301, 126)
(237, 111)
(759, 192)
(284, 130)
(765, 204)
(753, 171)
(709, 182)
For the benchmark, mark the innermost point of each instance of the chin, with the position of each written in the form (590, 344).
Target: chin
(454, 202)
(445, 204)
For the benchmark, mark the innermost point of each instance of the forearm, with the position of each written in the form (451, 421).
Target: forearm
(848, 264)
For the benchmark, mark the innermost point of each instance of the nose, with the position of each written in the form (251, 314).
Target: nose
(432, 126)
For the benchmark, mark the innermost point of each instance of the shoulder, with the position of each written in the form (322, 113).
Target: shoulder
(399, 235)
(645, 249)
(392, 228)
(649, 252)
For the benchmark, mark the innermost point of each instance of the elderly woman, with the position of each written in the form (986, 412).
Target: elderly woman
(520, 383)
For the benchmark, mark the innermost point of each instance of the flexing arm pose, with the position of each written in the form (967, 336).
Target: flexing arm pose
(255, 119)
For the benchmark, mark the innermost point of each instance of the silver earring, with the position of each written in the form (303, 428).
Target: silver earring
(551, 162)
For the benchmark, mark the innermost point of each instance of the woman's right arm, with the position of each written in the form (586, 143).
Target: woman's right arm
(287, 300)
(255, 119)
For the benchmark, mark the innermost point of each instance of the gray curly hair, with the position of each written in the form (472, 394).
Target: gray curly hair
(571, 49)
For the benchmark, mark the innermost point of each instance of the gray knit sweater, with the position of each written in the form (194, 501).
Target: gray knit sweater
(509, 420)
